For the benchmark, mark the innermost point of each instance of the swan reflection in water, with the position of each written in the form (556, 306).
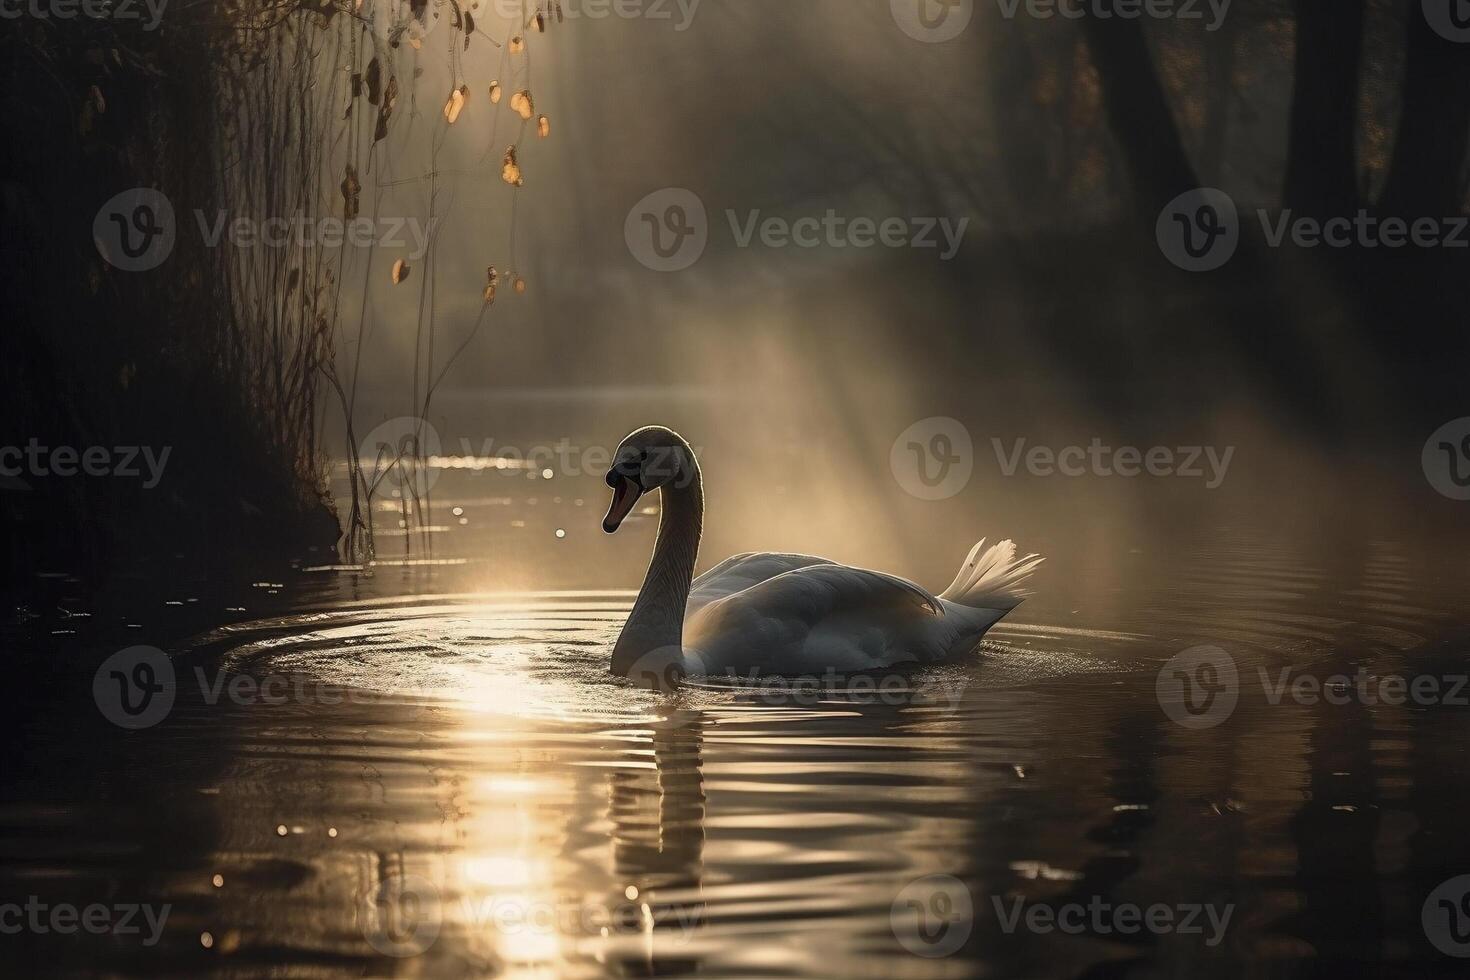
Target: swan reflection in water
(657, 815)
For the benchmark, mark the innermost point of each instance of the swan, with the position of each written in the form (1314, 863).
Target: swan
(779, 614)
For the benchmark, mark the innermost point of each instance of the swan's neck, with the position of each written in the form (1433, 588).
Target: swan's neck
(651, 640)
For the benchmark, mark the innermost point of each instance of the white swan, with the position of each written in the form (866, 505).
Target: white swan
(774, 614)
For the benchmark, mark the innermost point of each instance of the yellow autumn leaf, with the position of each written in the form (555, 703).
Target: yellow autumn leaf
(453, 106)
(517, 44)
(522, 105)
(495, 93)
(400, 271)
(489, 294)
(543, 127)
(510, 170)
(520, 286)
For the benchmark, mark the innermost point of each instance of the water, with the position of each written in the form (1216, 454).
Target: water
(447, 783)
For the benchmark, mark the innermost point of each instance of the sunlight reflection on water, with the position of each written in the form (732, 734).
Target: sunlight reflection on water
(458, 788)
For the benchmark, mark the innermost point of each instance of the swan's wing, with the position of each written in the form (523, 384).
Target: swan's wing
(740, 572)
(827, 614)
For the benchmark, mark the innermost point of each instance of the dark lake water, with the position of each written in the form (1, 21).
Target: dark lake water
(1211, 761)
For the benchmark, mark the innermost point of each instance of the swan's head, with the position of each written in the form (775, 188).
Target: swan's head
(648, 459)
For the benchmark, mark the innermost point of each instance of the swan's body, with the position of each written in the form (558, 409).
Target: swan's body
(760, 614)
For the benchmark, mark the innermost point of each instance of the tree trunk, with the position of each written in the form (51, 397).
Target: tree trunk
(1220, 96)
(1138, 112)
(1321, 166)
(1426, 175)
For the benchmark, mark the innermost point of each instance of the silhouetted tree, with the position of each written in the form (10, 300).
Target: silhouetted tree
(1322, 169)
(1427, 175)
(1137, 110)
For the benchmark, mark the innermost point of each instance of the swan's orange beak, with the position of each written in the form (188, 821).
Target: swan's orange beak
(625, 494)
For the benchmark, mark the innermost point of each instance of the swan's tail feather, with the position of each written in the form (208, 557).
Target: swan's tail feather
(991, 579)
